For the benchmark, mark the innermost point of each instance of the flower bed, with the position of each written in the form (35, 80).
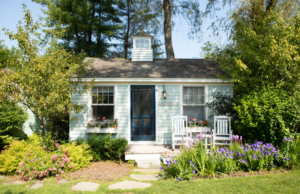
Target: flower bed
(105, 123)
(196, 160)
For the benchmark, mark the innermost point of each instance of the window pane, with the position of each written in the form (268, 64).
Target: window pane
(148, 122)
(146, 45)
(137, 46)
(134, 131)
(137, 41)
(150, 131)
(146, 41)
(193, 95)
(145, 131)
(142, 41)
(197, 112)
(103, 111)
(141, 45)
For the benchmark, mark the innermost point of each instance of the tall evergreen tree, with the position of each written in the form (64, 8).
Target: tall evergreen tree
(90, 23)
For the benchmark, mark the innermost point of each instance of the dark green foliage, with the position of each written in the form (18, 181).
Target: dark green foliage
(268, 115)
(90, 24)
(12, 118)
(59, 128)
(105, 148)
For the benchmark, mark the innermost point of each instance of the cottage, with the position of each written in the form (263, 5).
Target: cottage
(143, 94)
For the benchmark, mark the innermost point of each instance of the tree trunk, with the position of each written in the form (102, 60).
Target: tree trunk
(127, 31)
(43, 133)
(168, 29)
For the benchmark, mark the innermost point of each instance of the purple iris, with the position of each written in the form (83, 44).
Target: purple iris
(177, 179)
(261, 155)
(276, 155)
(191, 161)
(193, 165)
(246, 149)
(194, 171)
(240, 160)
(161, 168)
(245, 161)
(227, 156)
(175, 162)
(215, 159)
(255, 157)
(244, 155)
(231, 156)
(261, 149)
(182, 178)
(192, 179)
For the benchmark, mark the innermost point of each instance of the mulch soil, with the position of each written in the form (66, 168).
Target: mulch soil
(104, 171)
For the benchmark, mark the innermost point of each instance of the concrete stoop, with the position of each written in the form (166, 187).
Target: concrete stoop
(155, 163)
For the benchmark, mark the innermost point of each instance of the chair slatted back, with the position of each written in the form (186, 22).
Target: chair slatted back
(222, 125)
(179, 124)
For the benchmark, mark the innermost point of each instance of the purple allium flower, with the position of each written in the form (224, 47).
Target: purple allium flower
(241, 138)
(177, 179)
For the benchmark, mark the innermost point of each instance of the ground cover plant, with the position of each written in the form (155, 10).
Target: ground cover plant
(196, 160)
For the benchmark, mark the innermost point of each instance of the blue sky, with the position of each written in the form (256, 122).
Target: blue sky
(11, 12)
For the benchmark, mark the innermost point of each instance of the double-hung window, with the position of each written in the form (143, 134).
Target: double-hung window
(142, 43)
(103, 102)
(194, 102)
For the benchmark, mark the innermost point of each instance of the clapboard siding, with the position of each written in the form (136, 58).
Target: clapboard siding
(212, 90)
(122, 111)
(78, 127)
(142, 55)
(165, 113)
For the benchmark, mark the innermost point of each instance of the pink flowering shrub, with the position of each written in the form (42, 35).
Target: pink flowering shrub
(68, 157)
(42, 164)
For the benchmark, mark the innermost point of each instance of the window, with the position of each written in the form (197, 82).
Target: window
(142, 43)
(103, 103)
(194, 102)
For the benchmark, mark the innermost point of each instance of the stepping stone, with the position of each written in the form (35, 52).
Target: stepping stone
(37, 184)
(62, 181)
(129, 185)
(14, 182)
(147, 170)
(85, 186)
(2, 177)
(144, 177)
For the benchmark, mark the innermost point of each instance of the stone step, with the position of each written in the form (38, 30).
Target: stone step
(148, 163)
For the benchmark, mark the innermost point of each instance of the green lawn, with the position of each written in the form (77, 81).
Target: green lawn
(287, 182)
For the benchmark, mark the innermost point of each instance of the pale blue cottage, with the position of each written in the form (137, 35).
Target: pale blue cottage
(144, 93)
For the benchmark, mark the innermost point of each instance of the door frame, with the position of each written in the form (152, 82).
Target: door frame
(131, 114)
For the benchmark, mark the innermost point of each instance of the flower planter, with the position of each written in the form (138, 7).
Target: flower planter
(104, 130)
(199, 129)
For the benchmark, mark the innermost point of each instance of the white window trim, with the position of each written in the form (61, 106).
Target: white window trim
(91, 100)
(205, 99)
(141, 37)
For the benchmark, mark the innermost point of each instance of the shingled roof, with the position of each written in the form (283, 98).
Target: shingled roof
(159, 68)
(142, 33)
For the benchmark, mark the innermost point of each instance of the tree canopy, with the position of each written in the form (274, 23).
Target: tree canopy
(41, 82)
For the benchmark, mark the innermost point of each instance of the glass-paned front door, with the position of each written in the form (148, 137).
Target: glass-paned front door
(142, 113)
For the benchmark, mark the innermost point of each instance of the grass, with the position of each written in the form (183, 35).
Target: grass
(287, 182)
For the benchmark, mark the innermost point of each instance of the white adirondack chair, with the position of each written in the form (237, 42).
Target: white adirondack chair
(179, 125)
(222, 131)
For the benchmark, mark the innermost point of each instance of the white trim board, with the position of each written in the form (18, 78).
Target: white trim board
(189, 80)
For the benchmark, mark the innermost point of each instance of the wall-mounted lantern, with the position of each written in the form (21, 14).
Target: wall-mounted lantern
(164, 93)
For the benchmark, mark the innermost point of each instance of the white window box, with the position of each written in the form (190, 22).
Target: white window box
(199, 129)
(104, 130)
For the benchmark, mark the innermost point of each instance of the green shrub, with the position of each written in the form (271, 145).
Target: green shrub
(106, 148)
(12, 118)
(80, 155)
(14, 153)
(40, 164)
(268, 115)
